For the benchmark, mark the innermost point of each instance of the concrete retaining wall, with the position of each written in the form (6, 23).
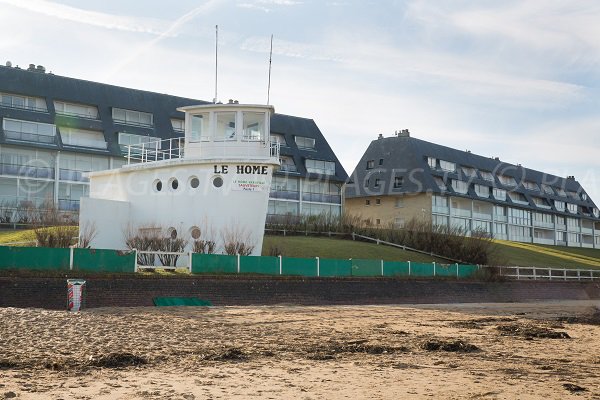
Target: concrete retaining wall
(133, 291)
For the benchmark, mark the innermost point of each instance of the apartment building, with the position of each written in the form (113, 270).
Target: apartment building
(400, 178)
(54, 129)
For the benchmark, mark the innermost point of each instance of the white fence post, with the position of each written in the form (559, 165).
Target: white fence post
(238, 263)
(190, 261)
(457, 274)
(280, 265)
(434, 268)
(70, 258)
(534, 274)
(409, 268)
(318, 266)
(565, 273)
(135, 269)
(382, 267)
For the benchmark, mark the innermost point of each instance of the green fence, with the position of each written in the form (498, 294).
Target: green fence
(38, 258)
(324, 267)
(58, 259)
(101, 260)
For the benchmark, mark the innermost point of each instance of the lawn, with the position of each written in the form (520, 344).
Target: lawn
(12, 236)
(526, 254)
(307, 246)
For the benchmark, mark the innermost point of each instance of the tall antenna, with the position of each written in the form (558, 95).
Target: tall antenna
(216, 60)
(270, 58)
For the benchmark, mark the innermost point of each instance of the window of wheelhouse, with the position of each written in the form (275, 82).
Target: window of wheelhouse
(254, 126)
(199, 129)
(225, 126)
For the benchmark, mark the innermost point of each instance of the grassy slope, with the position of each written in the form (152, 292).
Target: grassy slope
(16, 236)
(524, 254)
(303, 246)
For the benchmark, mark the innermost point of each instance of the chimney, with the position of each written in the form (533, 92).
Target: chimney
(31, 67)
(497, 158)
(230, 101)
(571, 177)
(380, 137)
(41, 68)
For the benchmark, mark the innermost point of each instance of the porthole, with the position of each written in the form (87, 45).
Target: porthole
(217, 182)
(195, 232)
(173, 233)
(158, 185)
(194, 182)
(174, 184)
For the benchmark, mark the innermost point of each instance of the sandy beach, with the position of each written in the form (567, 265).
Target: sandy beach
(465, 351)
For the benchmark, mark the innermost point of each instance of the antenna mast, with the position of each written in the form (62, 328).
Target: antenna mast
(270, 58)
(216, 60)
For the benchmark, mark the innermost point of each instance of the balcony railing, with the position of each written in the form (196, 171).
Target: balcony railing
(30, 137)
(587, 231)
(157, 150)
(322, 198)
(288, 168)
(439, 209)
(460, 212)
(27, 171)
(288, 195)
(71, 175)
(543, 224)
(486, 217)
(543, 241)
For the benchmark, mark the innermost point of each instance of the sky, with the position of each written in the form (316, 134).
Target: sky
(514, 79)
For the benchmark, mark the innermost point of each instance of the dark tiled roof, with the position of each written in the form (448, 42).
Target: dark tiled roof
(407, 157)
(162, 106)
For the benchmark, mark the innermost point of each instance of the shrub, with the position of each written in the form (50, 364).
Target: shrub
(237, 240)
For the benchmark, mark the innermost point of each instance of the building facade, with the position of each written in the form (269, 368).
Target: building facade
(54, 129)
(401, 178)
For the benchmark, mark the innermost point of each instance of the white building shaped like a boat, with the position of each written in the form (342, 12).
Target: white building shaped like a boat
(214, 181)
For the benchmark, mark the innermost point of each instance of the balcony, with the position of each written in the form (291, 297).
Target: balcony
(460, 212)
(500, 218)
(543, 224)
(322, 198)
(543, 241)
(439, 210)
(284, 194)
(288, 168)
(27, 171)
(587, 231)
(485, 217)
(71, 175)
(30, 137)
(68, 205)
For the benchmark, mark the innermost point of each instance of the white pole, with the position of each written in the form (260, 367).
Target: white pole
(318, 266)
(382, 268)
(190, 261)
(135, 269)
(280, 265)
(409, 268)
(457, 274)
(434, 268)
(71, 258)
(238, 263)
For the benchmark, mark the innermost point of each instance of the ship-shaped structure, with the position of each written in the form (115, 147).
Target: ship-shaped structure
(211, 184)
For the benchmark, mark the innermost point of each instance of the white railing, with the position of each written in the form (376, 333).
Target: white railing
(549, 274)
(157, 150)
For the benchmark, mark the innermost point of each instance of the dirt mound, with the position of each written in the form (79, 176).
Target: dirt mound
(529, 331)
(225, 354)
(571, 387)
(591, 319)
(118, 360)
(478, 323)
(458, 346)
(331, 349)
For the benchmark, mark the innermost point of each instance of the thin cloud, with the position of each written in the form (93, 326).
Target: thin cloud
(93, 18)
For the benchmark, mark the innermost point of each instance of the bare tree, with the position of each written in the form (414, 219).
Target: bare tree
(237, 240)
(87, 233)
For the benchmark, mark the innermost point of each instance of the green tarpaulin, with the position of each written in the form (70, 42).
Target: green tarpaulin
(180, 301)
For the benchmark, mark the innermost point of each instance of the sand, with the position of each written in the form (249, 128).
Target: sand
(473, 351)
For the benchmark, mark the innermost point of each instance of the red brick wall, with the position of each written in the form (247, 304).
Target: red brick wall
(130, 291)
